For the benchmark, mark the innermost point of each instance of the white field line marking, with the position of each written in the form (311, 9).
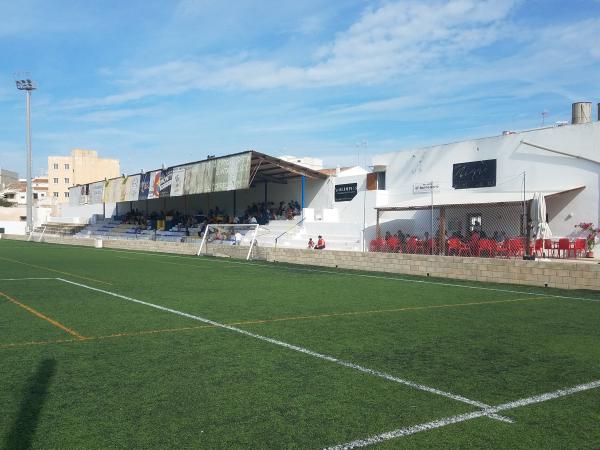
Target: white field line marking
(296, 348)
(332, 272)
(464, 417)
(24, 279)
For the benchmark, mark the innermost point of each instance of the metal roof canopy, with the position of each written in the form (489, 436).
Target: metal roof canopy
(460, 199)
(265, 168)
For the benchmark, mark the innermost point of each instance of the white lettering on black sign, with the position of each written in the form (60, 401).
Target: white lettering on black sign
(345, 192)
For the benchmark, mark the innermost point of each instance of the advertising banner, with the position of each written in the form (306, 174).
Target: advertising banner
(177, 181)
(96, 192)
(144, 186)
(84, 192)
(154, 191)
(112, 190)
(198, 178)
(131, 189)
(166, 177)
(474, 174)
(223, 174)
(232, 173)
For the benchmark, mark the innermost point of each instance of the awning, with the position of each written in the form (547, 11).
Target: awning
(466, 198)
(271, 169)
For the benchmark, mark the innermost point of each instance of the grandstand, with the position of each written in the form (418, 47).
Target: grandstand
(283, 233)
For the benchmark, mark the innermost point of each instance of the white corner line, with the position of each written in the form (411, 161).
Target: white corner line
(486, 409)
(400, 432)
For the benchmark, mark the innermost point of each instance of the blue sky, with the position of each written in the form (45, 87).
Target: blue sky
(164, 82)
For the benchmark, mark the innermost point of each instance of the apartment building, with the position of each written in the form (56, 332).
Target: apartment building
(7, 177)
(81, 167)
(16, 192)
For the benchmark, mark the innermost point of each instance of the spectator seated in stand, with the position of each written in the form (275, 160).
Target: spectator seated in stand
(311, 244)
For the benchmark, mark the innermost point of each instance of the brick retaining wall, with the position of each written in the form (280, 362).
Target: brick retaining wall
(559, 274)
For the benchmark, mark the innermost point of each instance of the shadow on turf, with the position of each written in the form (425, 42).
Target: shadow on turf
(34, 397)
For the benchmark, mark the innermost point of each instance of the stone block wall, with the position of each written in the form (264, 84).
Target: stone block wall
(558, 274)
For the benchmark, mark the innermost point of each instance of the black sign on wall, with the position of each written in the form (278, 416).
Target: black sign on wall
(345, 192)
(475, 174)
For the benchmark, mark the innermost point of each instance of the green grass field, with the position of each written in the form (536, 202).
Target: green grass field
(257, 355)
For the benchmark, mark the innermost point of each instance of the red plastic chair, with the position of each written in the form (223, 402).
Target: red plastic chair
(393, 244)
(515, 247)
(457, 247)
(486, 246)
(538, 247)
(412, 245)
(548, 248)
(564, 245)
(377, 245)
(580, 247)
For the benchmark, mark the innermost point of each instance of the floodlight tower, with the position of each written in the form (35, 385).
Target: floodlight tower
(27, 85)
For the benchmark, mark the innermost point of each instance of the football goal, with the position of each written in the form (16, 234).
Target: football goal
(229, 234)
(37, 234)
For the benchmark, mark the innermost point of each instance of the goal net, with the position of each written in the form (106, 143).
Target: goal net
(37, 234)
(229, 234)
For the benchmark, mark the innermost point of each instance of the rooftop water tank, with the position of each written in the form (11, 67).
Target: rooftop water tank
(581, 112)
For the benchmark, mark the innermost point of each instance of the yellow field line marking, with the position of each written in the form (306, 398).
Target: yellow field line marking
(42, 316)
(252, 322)
(378, 311)
(140, 333)
(54, 341)
(54, 270)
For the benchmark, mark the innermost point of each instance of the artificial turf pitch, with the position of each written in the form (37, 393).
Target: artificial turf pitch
(85, 366)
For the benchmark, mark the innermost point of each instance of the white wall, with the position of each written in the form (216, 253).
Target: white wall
(13, 227)
(78, 214)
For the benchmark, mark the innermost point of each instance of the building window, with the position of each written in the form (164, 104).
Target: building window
(381, 181)
(474, 223)
(56, 181)
(66, 167)
(56, 194)
(66, 194)
(55, 166)
(66, 181)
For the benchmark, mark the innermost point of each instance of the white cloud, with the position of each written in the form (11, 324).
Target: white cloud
(105, 116)
(386, 42)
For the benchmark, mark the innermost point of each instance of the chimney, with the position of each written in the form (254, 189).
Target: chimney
(581, 112)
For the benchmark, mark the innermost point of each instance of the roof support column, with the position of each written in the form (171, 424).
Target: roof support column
(234, 202)
(266, 184)
(442, 231)
(303, 182)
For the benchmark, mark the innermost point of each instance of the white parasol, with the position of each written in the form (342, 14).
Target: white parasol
(538, 212)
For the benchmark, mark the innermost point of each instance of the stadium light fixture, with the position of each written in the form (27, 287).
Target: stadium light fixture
(25, 83)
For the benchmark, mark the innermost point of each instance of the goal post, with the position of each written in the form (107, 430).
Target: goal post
(36, 232)
(230, 234)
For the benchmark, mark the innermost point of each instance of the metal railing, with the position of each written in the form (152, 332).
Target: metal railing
(288, 230)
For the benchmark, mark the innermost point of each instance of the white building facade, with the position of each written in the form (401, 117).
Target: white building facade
(561, 162)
